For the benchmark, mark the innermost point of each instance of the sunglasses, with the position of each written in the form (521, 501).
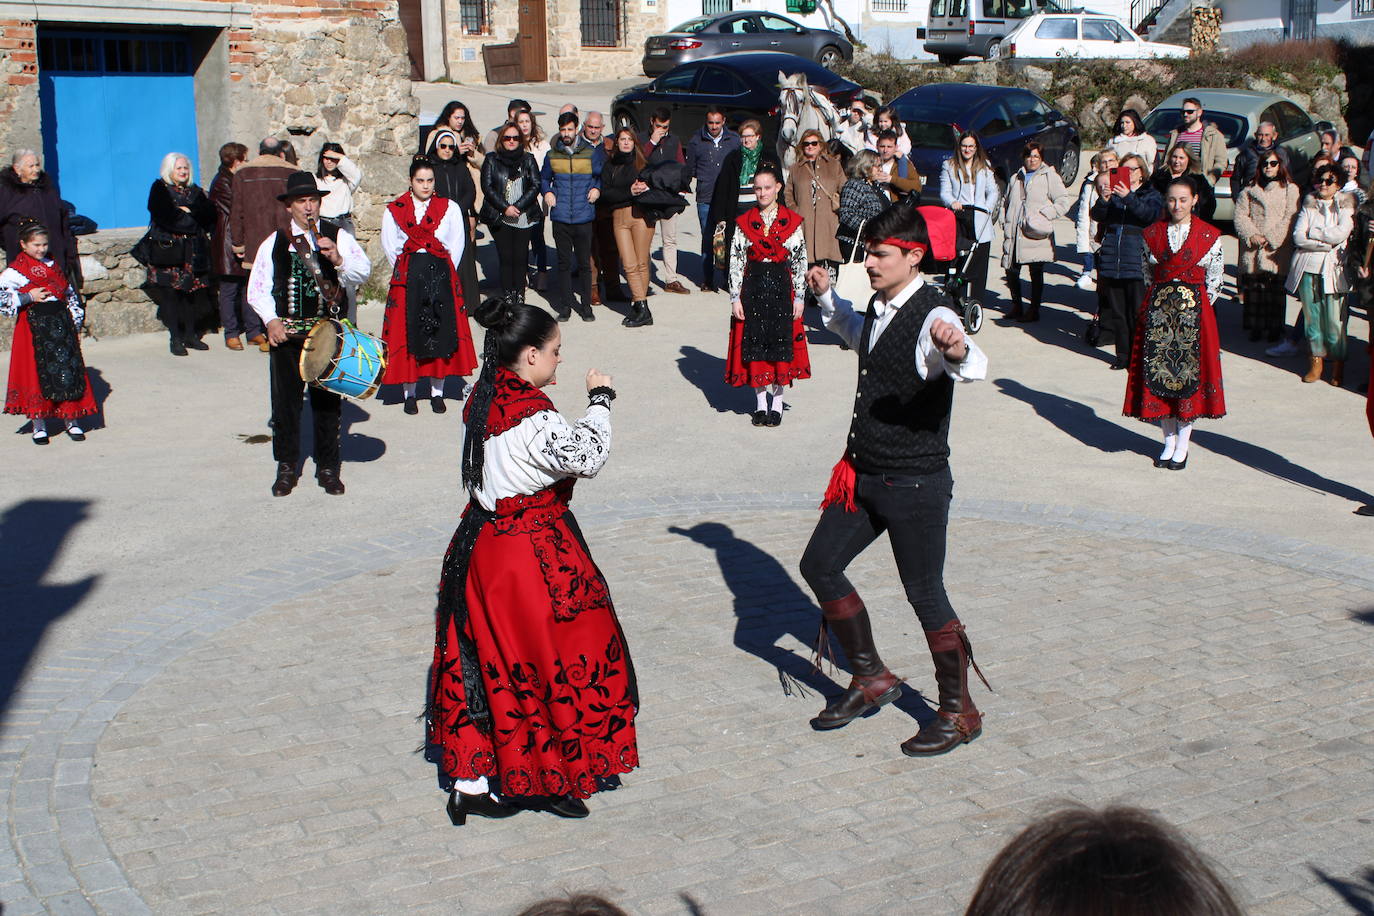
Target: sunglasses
(510, 138)
(1327, 180)
(1272, 164)
(334, 159)
(1190, 111)
(811, 143)
(447, 146)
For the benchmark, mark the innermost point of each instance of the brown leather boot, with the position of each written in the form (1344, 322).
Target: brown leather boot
(872, 685)
(1338, 372)
(1314, 369)
(958, 721)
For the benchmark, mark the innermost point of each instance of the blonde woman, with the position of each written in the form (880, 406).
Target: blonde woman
(1036, 197)
(813, 190)
(968, 187)
(180, 217)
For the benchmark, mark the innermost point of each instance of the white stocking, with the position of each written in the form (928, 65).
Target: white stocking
(476, 786)
(408, 389)
(40, 427)
(763, 398)
(777, 391)
(1170, 427)
(75, 428)
(436, 388)
(1185, 432)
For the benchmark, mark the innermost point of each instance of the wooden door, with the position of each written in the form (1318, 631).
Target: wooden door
(533, 41)
(412, 20)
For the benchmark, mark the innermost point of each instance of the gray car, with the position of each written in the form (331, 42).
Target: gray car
(742, 30)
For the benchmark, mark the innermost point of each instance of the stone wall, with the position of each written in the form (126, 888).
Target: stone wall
(19, 87)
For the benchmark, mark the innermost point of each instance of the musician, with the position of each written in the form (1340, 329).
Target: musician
(284, 291)
(425, 327)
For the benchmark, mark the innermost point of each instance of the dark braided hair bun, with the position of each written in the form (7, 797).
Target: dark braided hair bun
(495, 311)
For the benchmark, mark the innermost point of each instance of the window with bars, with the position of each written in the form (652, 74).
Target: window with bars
(603, 23)
(887, 6)
(75, 52)
(716, 7)
(1364, 8)
(474, 17)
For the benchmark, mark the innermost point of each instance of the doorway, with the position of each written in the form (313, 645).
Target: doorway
(533, 41)
(411, 14)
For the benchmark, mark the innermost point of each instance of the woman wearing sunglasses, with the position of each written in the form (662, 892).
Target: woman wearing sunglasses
(510, 186)
(1265, 210)
(813, 190)
(1318, 275)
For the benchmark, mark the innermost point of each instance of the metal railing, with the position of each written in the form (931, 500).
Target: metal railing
(1143, 13)
(716, 7)
(887, 6)
(602, 23)
(1363, 8)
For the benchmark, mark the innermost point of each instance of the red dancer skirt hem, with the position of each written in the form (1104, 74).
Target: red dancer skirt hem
(25, 395)
(402, 368)
(759, 374)
(1208, 402)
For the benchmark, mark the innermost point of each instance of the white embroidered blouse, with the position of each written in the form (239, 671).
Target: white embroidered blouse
(543, 449)
(11, 301)
(796, 258)
(1213, 262)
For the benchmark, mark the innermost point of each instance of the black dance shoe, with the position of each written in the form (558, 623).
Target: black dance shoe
(411, 407)
(759, 418)
(1161, 462)
(1118, 364)
(76, 436)
(1177, 465)
(563, 314)
(774, 418)
(568, 806)
(41, 440)
(177, 348)
(460, 805)
(436, 403)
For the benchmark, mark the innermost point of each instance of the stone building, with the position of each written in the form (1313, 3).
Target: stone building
(556, 40)
(104, 91)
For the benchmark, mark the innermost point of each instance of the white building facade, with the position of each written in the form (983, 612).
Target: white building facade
(1244, 22)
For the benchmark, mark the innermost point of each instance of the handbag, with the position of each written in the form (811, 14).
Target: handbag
(852, 283)
(720, 255)
(159, 249)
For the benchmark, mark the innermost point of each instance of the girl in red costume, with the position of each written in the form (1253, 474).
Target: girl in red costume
(47, 373)
(767, 273)
(425, 328)
(1175, 374)
(532, 694)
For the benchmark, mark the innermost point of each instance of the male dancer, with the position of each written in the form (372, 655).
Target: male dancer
(894, 475)
(283, 292)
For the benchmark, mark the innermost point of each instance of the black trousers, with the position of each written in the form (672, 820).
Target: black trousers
(573, 240)
(513, 255)
(1118, 305)
(913, 509)
(1037, 283)
(177, 310)
(288, 399)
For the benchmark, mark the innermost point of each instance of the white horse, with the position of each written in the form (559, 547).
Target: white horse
(802, 108)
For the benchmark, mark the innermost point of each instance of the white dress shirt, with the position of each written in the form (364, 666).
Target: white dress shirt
(541, 450)
(352, 273)
(339, 201)
(449, 232)
(840, 317)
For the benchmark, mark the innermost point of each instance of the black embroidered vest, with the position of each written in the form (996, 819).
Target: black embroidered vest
(901, 422)
(293, 288)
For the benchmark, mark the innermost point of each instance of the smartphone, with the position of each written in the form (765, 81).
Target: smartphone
(1121, 175)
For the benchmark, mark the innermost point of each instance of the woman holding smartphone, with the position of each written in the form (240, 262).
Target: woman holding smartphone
(1126, 205)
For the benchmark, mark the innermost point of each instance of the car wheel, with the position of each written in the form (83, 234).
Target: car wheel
(949, 60)
(1068, 169)
(994, 51)
(829, 57)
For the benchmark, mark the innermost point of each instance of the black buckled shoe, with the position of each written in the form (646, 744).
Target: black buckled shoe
(286, 479)
(328, 479)
(460, 805)
(436, 404)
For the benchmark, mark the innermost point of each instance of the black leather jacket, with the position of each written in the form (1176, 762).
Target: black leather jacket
(495, 175)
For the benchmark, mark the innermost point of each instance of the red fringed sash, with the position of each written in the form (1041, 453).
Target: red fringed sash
(841, 489)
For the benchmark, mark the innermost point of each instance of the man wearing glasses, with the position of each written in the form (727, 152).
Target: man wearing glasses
(706, 153)
(1204, 139)
(1253, 152)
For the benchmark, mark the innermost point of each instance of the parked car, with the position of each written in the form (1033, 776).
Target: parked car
(708, 36)
(1082, 34)
(742, 85)
(1236, 113)
(977, 28)
(1003, 118)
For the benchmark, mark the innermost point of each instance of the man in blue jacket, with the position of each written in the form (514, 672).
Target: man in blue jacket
(706, 153)
(571, 184)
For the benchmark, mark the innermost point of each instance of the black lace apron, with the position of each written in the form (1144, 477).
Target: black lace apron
(431, 317)
(766, 296)
(57, 351)
(1172, 353)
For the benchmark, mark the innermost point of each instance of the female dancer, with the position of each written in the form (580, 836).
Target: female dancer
(47, 374)
(1175, 372)
(425, 326)
(767, 285)
(532, 695)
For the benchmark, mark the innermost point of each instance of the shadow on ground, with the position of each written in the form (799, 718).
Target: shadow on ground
(33, 533)
(707, 373)
(1358, 893)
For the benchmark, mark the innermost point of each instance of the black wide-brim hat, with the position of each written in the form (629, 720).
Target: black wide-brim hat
(301, 184)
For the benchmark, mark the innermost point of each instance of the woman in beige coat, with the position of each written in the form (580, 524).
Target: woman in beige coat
(813, 190)
(1318, 275)
(1264, 217)
(1035, 198)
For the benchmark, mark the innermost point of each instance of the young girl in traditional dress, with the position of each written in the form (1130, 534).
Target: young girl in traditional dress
(532, 693)
(47, 373)
(767, 286)
(1175, 372)
(425, 327)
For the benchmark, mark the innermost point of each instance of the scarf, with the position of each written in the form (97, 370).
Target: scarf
(511, 157)
(749, 163)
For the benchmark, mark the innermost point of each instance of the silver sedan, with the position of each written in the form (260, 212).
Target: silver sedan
(708, 36)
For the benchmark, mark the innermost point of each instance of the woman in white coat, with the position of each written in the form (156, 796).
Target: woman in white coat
(969, 188)
(1036, 197)
(1318, 273)
(1132, 138)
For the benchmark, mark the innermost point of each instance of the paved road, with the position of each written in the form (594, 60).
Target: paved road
(208, 695)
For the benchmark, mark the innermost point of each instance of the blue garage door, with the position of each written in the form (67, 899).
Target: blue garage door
(113, 104)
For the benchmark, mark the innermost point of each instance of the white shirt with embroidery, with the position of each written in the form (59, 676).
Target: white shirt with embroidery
(1213, 263)
(449, 232)
(541, 450)
(839, 316)
(796, 257)
(12, 281)
(356, 266)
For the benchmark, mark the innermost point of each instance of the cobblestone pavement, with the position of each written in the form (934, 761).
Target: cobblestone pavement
(259, 752)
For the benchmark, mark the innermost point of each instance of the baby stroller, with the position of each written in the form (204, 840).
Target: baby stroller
(955, 279)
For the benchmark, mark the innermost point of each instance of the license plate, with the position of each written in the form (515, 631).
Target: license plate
(658, 52)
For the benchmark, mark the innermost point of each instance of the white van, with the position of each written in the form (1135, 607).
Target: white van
(975, 28)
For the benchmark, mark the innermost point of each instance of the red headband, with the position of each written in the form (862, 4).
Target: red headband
(901, 243)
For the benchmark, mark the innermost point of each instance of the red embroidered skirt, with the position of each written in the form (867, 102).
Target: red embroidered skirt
(755, 374)
(401, 367)
(25, 395)
(558, 676)
(1208, 401)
